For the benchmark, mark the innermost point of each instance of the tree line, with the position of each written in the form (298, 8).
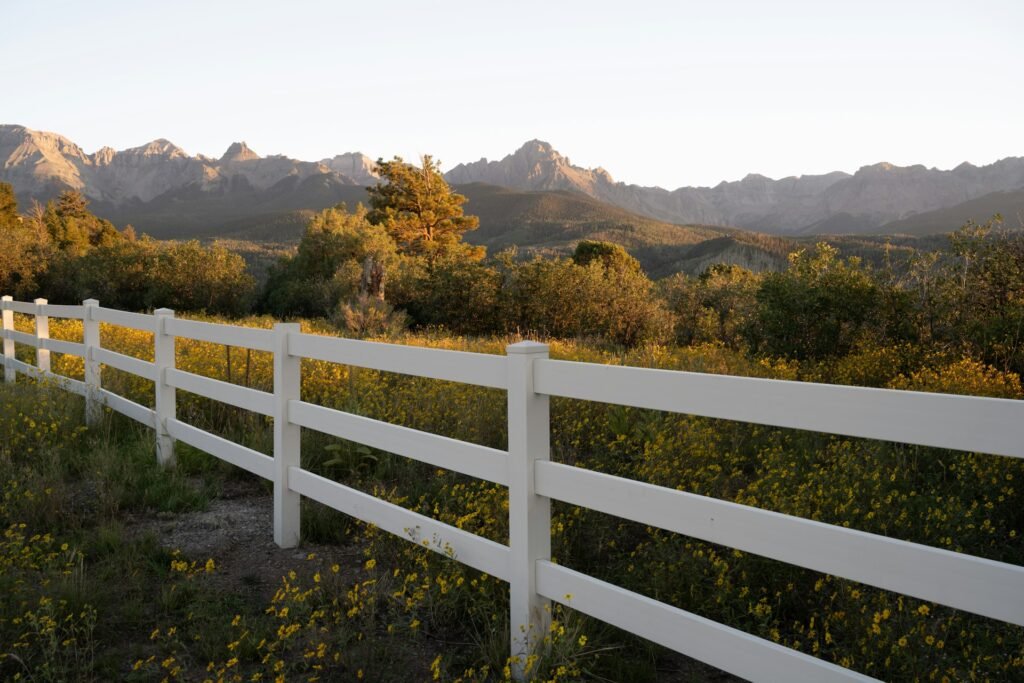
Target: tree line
(63, 252)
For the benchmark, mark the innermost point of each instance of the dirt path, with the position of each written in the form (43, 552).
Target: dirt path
(237, 531)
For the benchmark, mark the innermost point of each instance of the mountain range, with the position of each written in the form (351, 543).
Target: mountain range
(867, 201)
(162, 190)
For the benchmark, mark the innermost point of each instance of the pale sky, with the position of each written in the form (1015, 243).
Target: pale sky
(669, 94)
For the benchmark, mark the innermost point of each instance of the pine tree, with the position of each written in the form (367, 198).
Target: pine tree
(418, 208)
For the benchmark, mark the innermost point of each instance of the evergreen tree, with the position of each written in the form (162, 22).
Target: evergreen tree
(8, 207)
(22, 258)
(418, 208)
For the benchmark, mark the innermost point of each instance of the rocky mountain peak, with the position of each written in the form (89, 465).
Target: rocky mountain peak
(538, 148)
(355, 165)
(239, 151)
(160, 147)
(880, 167)
(538, 151)
(103, 156)
(536, 165)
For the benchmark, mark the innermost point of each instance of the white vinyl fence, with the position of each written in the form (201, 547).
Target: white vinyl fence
(973, 584)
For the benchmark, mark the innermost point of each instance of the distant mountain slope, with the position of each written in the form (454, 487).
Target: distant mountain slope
(553, 222)
(830, 203)
(560, 219)
(1010, 205)
(233, 206)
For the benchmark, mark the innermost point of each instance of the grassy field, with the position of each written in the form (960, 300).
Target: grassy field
(108, 571)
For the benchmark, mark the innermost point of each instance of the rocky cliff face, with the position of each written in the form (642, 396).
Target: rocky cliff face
(40, 164)
(358, 167)
(33, 160)
(534, 166)
(833, 202)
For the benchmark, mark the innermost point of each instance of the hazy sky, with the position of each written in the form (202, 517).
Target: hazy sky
(669, 94)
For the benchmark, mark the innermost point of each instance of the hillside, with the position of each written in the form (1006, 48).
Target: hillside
(1010, 205)
(236, 209)
(558, 219)
(552, 222)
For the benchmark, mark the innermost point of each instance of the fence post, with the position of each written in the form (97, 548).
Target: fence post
(166, 397)
(529, 515)
(91, 339)
(42, 332)
(287, 386)
(8, 318)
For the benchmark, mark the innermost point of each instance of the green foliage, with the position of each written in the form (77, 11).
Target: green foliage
(987, 282)
(417, 208)
(192, 277)
(328, 268)
(73, 229)
(456, 291)
(561, 298)
(716, 307)
(821, 306)
(8, 207)
(612, 256)
(146, 274)
(118, 275)
(23, 257)
(67, 254)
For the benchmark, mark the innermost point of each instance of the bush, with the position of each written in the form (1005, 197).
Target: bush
(561, 298)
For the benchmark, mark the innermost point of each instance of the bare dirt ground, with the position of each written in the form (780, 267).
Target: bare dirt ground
(237, 531)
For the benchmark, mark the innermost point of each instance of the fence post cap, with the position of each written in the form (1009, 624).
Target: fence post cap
(527, 347)
(7, 297)
(40, 302)
(163, 311)
(91, 302)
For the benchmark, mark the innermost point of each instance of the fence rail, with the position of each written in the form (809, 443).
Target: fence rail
(973, 584)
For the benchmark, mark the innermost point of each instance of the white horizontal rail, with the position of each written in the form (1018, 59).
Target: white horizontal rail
(129, 364)
(727, 648)
(135, 321)
(67, 383)
(481, 369)
(479, 553)
(440, 451)
(135, 411)
(241, 397)
(75, 386)
(986, 587)
(231, 335)
(65, 347)
(228, 451)
(21, 337)
(966, 423)
(25, 307)
(60, 311)
(24, 367)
